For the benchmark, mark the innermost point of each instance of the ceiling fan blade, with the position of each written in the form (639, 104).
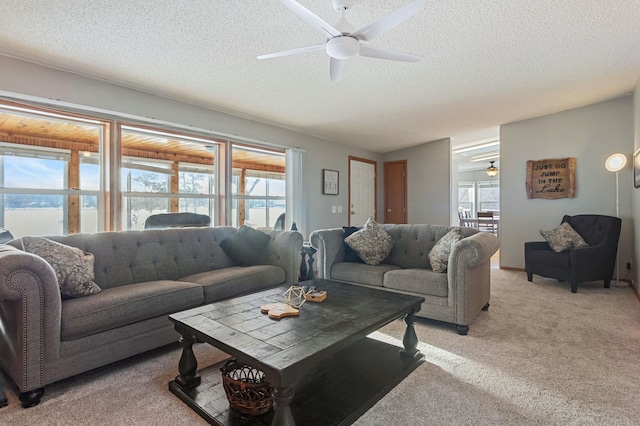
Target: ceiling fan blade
(297, 51)
(335, 68)
(311, 18)
(390, 21)
(393, 55)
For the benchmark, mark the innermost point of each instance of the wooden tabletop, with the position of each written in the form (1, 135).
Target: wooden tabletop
(284, 348)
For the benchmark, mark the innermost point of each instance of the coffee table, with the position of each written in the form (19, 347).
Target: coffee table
(324, 353)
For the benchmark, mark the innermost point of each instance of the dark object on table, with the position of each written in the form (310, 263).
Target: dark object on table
(246, 387)
(3, 399)
(176, 220)
(576, 265)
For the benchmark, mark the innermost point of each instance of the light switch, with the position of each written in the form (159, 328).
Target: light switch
(339, 209)
(334, 209)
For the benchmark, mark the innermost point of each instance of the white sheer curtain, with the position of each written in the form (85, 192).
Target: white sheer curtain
(296, 204)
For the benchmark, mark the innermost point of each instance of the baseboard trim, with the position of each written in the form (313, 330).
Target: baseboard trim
(509, 268)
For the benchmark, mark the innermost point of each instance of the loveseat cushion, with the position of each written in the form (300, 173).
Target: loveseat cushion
(421, 281)
(236, 280)
(361, 273)
(118, 306)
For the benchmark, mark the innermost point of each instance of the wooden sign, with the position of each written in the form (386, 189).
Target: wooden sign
(551, 179)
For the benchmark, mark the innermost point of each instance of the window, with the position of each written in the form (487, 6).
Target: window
(41, 174)
(489, 196)
(61, 173)
(164, 172)
(467, 198)
(258, 189)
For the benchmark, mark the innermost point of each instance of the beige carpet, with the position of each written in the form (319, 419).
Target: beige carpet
(540, 356)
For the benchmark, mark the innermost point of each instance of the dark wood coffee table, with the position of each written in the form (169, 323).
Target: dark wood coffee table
(337, 371)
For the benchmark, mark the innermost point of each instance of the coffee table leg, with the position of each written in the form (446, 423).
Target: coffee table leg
(282, 399)
(188, 363)
(410, 340)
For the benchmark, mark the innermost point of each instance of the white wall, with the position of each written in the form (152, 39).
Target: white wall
(428, 181)
(590, 134)
(38, 83)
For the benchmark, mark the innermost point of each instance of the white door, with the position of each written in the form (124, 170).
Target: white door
(362, 191)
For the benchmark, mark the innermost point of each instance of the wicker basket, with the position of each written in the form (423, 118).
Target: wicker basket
(247, 389)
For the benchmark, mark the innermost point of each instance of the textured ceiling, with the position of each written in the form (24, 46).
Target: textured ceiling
(486, 62)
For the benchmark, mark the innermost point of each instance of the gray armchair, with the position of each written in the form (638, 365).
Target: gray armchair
(578, 265)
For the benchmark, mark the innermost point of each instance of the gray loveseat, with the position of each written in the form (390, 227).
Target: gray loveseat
(456, 296)
(144, 276)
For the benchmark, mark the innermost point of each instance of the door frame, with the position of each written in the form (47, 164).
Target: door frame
(375, 185)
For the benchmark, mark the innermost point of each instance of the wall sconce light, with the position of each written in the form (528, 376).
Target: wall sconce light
(492, 170)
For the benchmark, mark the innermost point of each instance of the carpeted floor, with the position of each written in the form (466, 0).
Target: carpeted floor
(540, 356)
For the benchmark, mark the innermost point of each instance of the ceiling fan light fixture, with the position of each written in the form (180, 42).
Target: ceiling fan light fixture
(492, 170)
(343, 47)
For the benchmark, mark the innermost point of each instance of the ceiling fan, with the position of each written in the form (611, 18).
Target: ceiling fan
(343, 41)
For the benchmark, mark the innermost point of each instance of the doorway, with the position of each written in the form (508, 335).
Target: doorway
(395, 192)
(362, 190)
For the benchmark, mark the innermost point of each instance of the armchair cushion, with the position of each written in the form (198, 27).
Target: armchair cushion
(563, 238)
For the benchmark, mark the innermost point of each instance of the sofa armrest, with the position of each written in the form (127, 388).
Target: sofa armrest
(469, 274)
(536, 245)
(284, 250)
(330, 246)
(474, 249)
(30, 309)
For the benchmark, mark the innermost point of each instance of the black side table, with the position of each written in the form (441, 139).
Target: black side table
(308, 250)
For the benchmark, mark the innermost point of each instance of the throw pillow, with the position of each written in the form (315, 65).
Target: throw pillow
(439, 254)
(563, 238)
(349, 254)
(372, 243)
(245, 246)
(73, 267)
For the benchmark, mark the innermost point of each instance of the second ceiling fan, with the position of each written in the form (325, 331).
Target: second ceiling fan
(343, 41)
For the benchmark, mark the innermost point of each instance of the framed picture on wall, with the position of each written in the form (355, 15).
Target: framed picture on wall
(330, 182)
(636, 169)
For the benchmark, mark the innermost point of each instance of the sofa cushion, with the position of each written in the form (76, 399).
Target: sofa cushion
(563, 238)
(245, 246)
(126, 304)
(421, 281)
(361, 273)
(372, 243)
(439, 254)
(236, 280)
(412, 243)
(349, 254)
(73, 267)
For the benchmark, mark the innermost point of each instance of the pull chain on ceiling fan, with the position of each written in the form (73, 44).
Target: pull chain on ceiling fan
(343, 41)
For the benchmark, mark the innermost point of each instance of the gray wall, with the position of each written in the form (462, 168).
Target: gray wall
(428, 181)
(590, 134)
(37, 83)
(635, 198)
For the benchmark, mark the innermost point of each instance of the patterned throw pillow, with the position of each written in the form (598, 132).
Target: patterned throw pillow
(439, 254)
(563, 238)
(372, 243)
(73, 267)
(245, 246)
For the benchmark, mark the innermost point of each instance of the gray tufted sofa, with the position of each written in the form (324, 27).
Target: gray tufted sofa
(144, 276)
(456, 296)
